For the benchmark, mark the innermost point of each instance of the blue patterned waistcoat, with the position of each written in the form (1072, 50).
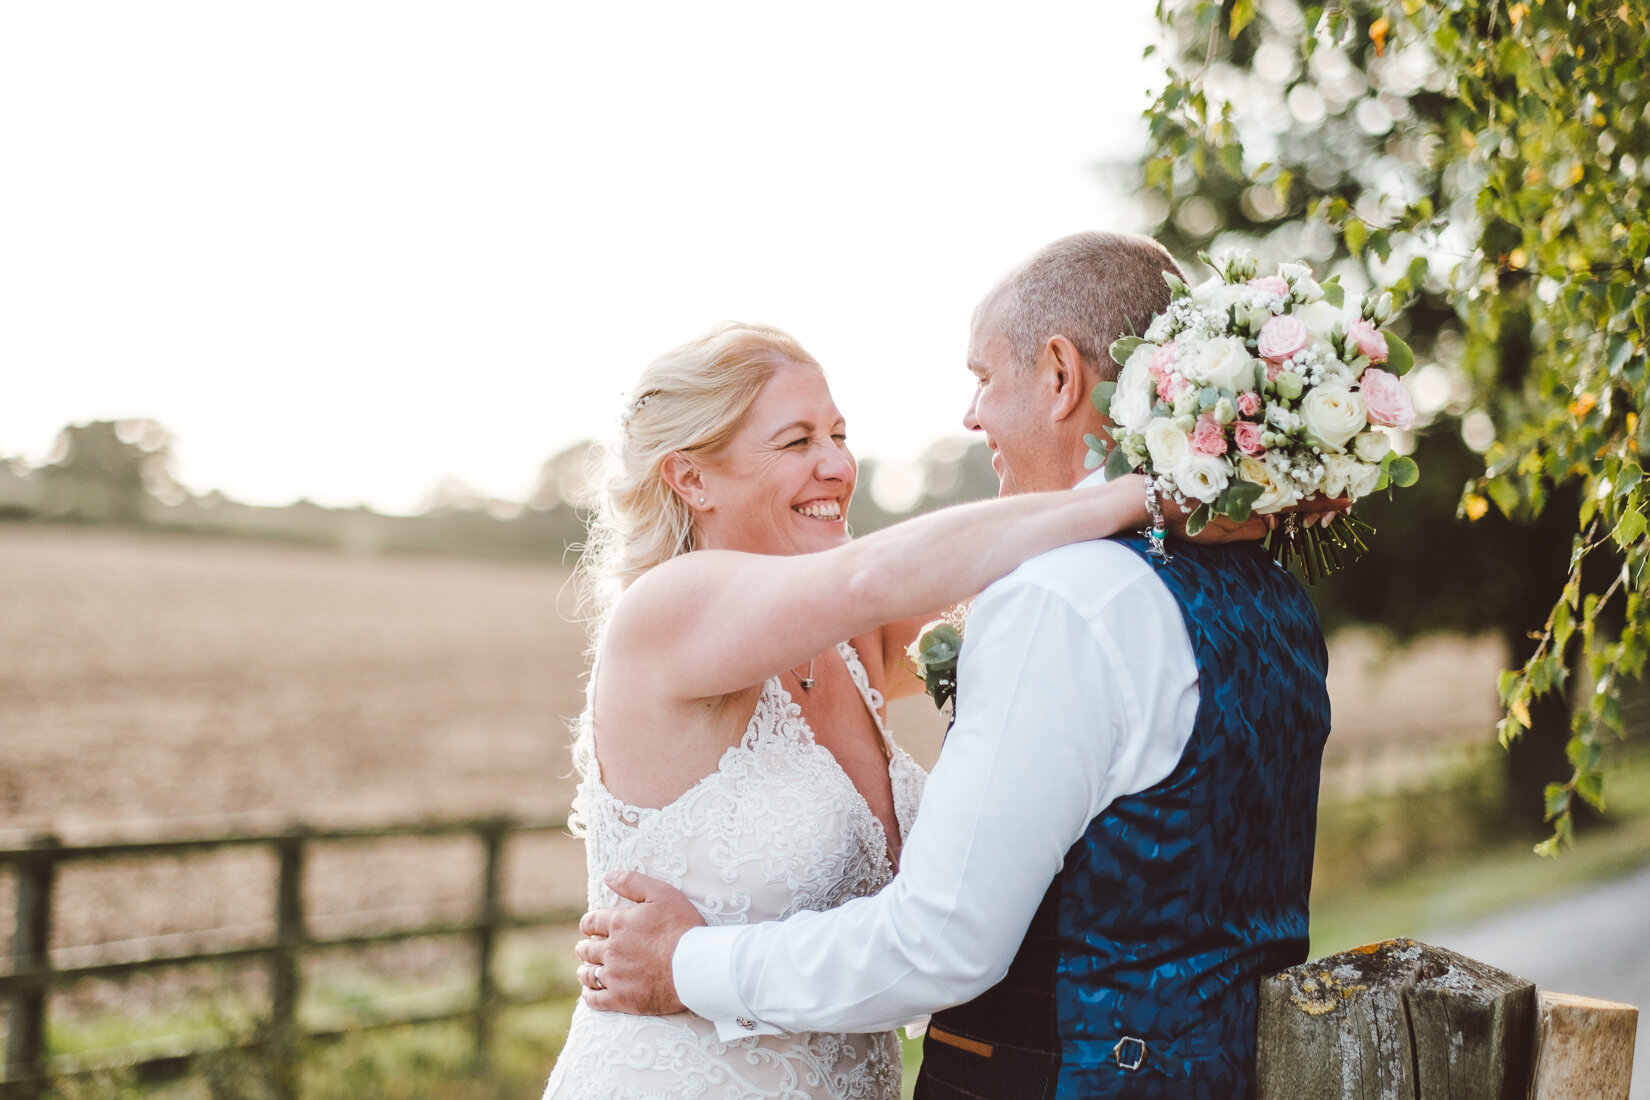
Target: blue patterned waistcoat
(1138, 976)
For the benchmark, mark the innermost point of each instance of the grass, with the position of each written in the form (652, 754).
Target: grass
(1485, 873)
(1469, 873)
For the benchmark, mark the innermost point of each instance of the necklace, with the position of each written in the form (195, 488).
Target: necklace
(808, 680)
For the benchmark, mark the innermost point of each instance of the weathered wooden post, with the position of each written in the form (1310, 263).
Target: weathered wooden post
(1397, 1018)
(285, 971)
(1583, 1048)
(31, 950)
(492, 834)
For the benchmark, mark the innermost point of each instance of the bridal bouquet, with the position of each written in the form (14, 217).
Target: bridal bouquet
(1251, 394)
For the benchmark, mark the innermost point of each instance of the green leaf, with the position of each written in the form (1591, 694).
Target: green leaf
(1117, 464)
(1557, 797)
(1334, 293)
(1198, 520)
(1243, 13)
(1238, 499)
(1629, 530)
(1356, 232)
(1398, 356)
(1123, 347)
(1591, 788)
(1103, 393)
(1403, 471)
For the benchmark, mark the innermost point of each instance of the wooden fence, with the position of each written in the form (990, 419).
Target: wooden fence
(27, 988)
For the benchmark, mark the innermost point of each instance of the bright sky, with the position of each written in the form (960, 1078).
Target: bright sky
(342, 249)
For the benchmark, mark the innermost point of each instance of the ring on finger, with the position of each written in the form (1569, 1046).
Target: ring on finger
(596, 977)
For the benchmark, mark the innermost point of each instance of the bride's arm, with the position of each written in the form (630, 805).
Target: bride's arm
(714, 621)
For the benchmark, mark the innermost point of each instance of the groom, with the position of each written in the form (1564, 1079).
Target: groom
(1116, 843)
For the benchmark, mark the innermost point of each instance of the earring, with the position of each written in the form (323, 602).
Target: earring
(701, 502)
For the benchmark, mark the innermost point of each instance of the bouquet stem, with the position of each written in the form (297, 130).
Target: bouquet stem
(1315, 552)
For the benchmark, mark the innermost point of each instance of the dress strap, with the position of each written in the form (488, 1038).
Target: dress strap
(872, 697)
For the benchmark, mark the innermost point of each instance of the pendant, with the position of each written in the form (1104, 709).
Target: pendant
(807, 682)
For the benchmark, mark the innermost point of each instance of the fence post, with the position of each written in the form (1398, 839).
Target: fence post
(491, 834)
(31, 949)
(285, 972)
(1583, 1048)
(1396, 1018)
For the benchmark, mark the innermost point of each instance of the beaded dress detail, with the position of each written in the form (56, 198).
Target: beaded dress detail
(777, 828)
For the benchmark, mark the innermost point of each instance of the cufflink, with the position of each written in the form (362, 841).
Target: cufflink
(748, 1025)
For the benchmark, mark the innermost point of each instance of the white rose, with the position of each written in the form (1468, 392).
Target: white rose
(1130, 409)
(1338, 471)
(1322, 319)
(1136, 379)
(1166, 444)
(1218, 296)
(1223, 362)
(1141, 359)
(1275, 494)
(1201, 477)
(1301, 284)
(1333, 414)
(1362, 480)
(1372, 446)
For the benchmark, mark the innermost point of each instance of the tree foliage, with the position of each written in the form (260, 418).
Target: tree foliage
(1490, 162)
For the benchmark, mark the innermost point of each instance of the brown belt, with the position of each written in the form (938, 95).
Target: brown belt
(949, 1038)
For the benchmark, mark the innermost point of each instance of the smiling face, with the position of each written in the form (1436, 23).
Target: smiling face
(1012, 406)
(783, 482)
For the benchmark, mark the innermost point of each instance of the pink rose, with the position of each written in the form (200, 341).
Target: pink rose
(1386, 399)
(1368, 340)
(1282, 337)
(1249, 403)
(1163, 357)
(1272, 284)
(1209, 437)
(1169, 386)
(1246, 434)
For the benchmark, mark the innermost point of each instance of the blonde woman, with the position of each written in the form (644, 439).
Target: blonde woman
(734, 741)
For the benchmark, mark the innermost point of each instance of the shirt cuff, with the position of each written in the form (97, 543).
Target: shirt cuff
(702, 968)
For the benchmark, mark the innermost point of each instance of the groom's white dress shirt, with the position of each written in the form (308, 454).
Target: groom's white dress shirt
(1077, 685)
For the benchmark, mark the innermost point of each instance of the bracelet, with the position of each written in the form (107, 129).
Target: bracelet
(1158, 529)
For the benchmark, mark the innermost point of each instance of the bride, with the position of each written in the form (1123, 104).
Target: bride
(734, 742)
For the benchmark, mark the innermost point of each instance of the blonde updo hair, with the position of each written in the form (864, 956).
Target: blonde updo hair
(691, 399)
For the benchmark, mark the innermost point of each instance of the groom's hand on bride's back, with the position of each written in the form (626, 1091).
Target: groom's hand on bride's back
(627, 952)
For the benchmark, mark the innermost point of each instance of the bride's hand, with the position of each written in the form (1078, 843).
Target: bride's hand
(1222, 530)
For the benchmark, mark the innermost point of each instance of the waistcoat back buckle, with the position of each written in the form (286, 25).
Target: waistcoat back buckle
(1129, 1053)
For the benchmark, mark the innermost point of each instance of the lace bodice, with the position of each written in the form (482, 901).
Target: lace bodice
(777, 828)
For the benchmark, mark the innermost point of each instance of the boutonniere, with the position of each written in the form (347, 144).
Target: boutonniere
(934, 654)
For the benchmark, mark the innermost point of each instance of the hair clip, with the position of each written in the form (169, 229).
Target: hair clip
(636, 407)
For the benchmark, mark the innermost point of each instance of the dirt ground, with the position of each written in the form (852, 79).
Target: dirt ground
(166, 684)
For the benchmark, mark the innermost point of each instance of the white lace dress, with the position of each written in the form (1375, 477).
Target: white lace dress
(777, 828)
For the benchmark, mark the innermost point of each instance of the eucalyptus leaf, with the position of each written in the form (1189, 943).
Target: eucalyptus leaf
(1118, 464)
(1398, 356)
(1403, 471)
(1102, 396)
(1334, 293)
(1123, 347)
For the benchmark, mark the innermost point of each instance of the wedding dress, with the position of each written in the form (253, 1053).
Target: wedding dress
(777, 828)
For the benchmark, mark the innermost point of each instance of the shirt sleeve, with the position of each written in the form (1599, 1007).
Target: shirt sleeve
(1044, 711)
